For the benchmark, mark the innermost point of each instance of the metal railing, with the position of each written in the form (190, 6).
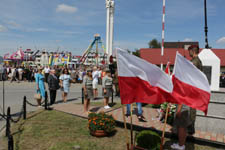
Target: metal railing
(8, 117)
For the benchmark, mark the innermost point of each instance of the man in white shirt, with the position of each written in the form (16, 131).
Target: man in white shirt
(95, 75)
(20, 71)
(46, 71)
(14, 70)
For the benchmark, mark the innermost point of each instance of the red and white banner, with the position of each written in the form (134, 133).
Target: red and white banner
(167, 70)
(191, 86)
(141, 81)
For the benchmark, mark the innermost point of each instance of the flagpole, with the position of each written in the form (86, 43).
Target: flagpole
(164, 127)
(163, 33)
(131, 126)
(125, 126)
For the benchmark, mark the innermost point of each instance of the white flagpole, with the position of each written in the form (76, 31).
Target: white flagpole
(163, 33)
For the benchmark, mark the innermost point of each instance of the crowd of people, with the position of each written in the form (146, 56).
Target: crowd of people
(59, 77)
(90, 78)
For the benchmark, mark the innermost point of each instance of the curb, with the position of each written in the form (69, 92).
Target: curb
(167, 134)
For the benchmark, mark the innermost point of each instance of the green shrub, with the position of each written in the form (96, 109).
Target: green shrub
(149, 140)
(154, 105)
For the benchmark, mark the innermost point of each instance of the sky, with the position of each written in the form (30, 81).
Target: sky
(70, 25)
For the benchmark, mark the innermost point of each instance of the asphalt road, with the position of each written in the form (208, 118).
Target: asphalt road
(14, 93)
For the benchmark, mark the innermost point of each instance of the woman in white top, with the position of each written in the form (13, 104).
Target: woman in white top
(95, 75)
(65, 80)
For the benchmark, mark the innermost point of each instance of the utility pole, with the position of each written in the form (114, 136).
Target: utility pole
(206, 27)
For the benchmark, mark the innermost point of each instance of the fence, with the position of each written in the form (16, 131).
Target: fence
(23, 112)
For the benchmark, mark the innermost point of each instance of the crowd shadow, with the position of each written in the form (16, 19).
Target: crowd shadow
(68, 100)
(95, 109)
(112, 104)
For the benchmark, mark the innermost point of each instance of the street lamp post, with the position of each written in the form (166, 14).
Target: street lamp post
(206, 27)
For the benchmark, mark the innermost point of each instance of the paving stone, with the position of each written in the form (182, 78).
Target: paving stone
(148, 113)
(196, 135)
(213, 138)
(207, 137)
(219, 139)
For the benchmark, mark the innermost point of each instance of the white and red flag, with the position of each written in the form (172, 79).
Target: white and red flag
(167, 70)
(141, 81)
(191, 86)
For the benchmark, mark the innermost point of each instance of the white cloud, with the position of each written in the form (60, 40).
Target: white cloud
(131, 45)
(221, 40)
(71, 32)
(57, 41)
(151, 35)
(188, 40)
(66, 8)
(35, 30)
(13, 24)
(41, 30)
(3, 28)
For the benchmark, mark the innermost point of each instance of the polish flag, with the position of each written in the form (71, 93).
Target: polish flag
(141, 81)
(191, 86)
(167, 70)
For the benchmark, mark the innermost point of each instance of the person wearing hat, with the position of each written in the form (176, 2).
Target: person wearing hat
(88, 89)
(185, 116)
(107, 88)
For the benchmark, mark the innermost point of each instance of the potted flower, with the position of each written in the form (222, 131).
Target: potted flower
(171, 111)
(100, 124)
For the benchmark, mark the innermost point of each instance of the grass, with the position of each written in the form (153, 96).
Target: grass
(53, 130)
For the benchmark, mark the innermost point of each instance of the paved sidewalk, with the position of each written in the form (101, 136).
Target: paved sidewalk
(149, 113)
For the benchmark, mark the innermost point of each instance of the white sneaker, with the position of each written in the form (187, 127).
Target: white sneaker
(107, 107)
(177, 146)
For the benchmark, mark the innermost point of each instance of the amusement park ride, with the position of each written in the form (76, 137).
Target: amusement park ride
(95, 56)
(101, 56)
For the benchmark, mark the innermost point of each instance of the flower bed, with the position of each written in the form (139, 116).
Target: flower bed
(101, 121)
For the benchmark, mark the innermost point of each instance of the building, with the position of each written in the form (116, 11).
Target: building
(153, 55)
(184, 45)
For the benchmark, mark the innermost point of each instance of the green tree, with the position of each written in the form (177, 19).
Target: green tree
(136, 52)
(154, 44)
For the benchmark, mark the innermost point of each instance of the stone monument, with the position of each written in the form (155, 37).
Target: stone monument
(211, 67)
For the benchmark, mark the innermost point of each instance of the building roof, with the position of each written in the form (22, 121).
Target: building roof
(179, 44)
(153, 55)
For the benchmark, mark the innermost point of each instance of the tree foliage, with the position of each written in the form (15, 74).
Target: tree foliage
(136, 52)
(154, 44)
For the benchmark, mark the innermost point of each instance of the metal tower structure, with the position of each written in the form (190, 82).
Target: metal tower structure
(109, 27)
(94, 56)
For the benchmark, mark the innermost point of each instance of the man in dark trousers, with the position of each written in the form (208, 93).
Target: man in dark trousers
(53, 85)
(185, 115)
(193, 52)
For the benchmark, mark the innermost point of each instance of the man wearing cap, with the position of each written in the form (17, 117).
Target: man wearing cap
(107, 88)
(185, 115)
